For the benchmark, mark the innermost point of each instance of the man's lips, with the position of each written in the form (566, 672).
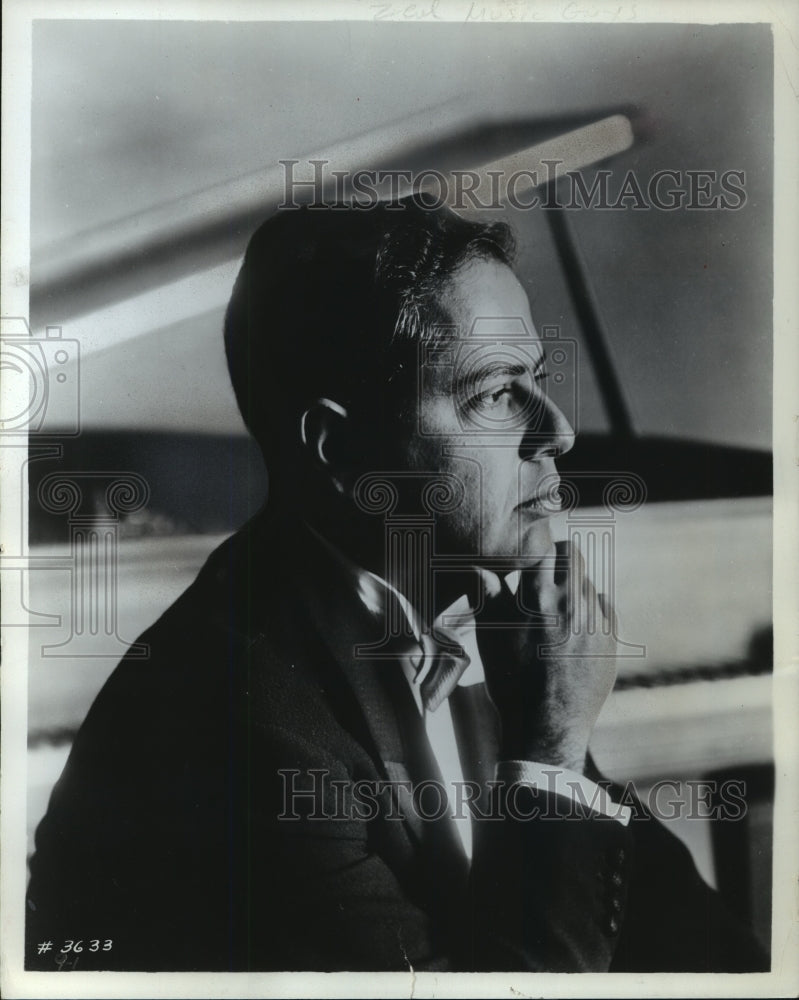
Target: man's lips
(544, 500)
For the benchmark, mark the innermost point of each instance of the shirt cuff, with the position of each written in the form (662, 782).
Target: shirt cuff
(564, 782)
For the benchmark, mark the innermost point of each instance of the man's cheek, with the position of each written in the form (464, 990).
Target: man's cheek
(458, 533)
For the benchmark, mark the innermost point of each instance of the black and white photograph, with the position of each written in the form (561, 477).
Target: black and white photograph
(399, 524)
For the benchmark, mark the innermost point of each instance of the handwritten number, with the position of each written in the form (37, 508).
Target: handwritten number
(76, 947)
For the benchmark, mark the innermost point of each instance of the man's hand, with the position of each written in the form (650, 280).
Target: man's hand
(548, 698)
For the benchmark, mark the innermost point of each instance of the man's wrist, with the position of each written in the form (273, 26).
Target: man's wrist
(566, 752)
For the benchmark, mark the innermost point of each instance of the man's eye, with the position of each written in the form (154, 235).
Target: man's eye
(490, 397)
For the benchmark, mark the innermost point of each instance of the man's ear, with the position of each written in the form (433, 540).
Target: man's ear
(324, 429)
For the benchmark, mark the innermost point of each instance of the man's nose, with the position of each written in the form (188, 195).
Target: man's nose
(548, 433)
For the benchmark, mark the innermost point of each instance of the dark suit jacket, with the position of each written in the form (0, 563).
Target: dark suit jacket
(164, 834)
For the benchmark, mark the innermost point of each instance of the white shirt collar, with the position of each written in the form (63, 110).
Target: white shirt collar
(456, 620)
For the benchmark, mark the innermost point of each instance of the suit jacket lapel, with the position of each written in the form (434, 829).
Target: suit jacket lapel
(343, 623)
(380, 689)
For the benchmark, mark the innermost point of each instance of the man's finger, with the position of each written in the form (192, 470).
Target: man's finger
(569, 563)
(538, 589)
(483, 586)
(609, 612)
(490, 584)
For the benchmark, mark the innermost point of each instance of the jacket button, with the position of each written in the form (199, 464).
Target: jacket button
(615, 904)
(613, 925)
(620, 857)
(616, 878)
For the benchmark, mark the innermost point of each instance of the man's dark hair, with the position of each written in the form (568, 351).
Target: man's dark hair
(333, 302)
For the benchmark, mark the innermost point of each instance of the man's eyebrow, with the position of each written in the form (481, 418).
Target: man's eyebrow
(492, 368)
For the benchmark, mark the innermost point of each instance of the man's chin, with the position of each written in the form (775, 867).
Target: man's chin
(530, 545)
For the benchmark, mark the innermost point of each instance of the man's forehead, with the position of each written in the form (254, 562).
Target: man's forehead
(488, 336)
(482, 290)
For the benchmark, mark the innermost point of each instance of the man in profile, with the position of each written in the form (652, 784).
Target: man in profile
(361, 741)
